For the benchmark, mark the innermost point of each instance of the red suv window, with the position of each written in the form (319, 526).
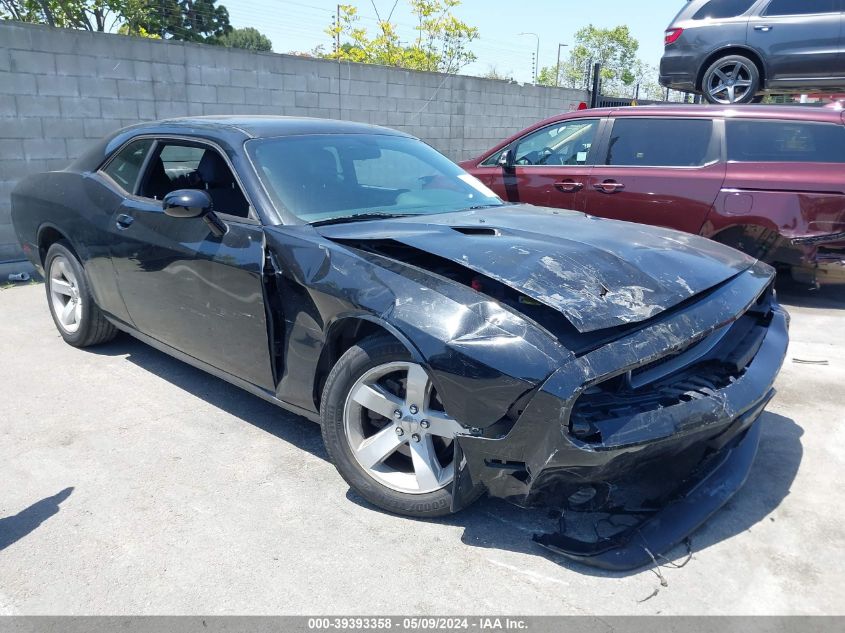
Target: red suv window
(785, 141)
(663, 142)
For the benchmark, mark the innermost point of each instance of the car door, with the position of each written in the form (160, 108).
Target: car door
(663, 171)
(197, 293)
(800, 41)
(548, 167)
(104, 192)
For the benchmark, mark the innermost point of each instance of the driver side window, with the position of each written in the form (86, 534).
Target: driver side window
(567, 143)
(179, 165)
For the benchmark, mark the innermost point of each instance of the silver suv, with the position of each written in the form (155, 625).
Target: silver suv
(734, 51)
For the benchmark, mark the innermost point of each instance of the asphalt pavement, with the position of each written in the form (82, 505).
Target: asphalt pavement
(134, 484)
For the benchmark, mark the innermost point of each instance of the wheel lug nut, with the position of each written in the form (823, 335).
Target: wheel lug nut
(415, 437)
(399, 431)
(425, 424)
(397, 414)
(413, 409)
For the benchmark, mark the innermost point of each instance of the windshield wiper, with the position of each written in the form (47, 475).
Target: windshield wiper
(482, 206)
(360, 217)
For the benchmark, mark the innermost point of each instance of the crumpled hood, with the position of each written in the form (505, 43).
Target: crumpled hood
(598, 273)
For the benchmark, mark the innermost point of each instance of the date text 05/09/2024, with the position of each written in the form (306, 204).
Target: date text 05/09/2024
(432, 623)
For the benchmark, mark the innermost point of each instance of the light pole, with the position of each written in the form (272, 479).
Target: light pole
(536, 56)
(557, 72)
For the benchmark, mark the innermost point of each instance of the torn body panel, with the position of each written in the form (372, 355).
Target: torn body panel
(599, 274)
(794, 221)
(460, 336)
(547, 459)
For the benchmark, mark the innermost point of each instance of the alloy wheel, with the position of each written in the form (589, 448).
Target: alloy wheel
(398, 431)
(64, 294)
(730, 82)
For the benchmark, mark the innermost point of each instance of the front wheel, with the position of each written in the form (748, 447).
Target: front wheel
(387, 432)
(731, 80)
(76, 315)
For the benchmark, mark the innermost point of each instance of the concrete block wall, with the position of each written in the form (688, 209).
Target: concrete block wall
(60, 89)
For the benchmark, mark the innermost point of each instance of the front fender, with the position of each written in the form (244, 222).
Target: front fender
(481, 357)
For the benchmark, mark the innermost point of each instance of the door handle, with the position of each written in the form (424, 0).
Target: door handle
(124, 221)
(764, 27)
(609, 186)
(569, 186)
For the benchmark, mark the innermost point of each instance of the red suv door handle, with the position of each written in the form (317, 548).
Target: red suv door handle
(569, 186)
(609, 186)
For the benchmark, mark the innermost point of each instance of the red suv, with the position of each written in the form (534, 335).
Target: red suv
(767, 180)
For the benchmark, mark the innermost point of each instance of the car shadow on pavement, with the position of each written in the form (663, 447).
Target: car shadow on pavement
(276, 421)
(492, 523)
(14, 528)
(791, 293)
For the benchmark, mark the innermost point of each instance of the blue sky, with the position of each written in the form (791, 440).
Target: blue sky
(298, 25)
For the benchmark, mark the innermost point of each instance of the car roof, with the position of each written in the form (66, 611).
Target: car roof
(229, 130)
(781, 112)
(263, 126)
(790, 112)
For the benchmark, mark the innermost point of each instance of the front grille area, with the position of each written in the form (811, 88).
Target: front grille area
(696, 372)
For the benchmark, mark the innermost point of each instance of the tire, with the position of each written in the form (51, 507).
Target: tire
(717, 86)
(77, 317)
(413, 477)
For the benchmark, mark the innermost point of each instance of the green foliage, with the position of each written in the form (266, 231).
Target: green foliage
(91, 15)
(615, 49)
(441, 43)
(247, 38)
(191, 20)
(188, 20)
(139, 31)
(494, 73)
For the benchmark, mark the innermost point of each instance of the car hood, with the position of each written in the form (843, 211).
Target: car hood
(598, 273)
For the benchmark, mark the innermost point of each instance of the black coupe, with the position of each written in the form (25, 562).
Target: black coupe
(449, 344)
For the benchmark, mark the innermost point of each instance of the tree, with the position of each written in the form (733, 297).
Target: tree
(494, 73)
(90, 15)
(645, 78)
(191, 20)
(140, 31)
(615, 49)
(441, 43)
(247, 38)
(188, 20)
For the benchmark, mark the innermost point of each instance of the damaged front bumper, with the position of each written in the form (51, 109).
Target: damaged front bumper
(650, 403)
(716, 481)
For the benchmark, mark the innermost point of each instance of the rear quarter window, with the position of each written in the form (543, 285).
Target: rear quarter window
(719, 9)
(801, 7)
(785, 141)
(126, 165)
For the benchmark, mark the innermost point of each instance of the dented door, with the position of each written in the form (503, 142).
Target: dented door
(196, 293)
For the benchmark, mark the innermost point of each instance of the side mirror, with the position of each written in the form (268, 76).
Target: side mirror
(194, 203)
(187, 203)
(507, 159)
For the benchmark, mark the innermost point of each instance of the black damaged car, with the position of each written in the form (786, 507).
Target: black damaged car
(450, 345)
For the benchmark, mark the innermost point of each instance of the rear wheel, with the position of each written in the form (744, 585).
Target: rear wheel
(386, 431)
(76, 315)
(731, 80)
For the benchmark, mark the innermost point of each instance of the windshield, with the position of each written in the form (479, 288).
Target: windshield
(321, 178)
